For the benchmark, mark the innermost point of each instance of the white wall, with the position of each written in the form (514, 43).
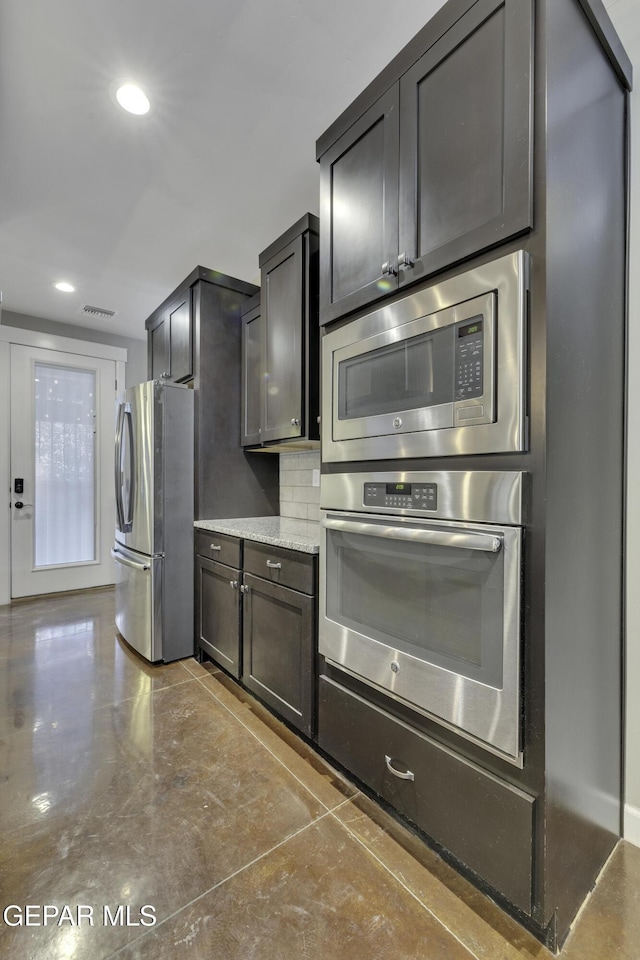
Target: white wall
(136, 365)
(625, 15)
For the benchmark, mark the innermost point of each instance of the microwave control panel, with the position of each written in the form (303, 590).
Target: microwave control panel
(469, 359)
(403, 496)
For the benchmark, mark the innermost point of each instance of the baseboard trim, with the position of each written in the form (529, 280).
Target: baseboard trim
(632, 824)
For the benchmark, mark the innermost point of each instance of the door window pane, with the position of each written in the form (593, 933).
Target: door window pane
(65, 464)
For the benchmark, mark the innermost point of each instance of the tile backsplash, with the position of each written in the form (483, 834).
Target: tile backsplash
(299, 497)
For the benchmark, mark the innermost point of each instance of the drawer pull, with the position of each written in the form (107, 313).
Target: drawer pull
(215, 546)
(274, 566)
(402, 775)
(233, 584)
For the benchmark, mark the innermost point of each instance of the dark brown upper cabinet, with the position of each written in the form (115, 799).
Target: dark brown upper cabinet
(170, 340)
(194, 337)
(433, 162)
(251, 396)
(288, 368)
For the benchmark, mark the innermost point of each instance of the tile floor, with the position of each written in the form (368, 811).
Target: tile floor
(126, 785)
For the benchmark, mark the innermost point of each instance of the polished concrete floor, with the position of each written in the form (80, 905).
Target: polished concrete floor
(166, 792)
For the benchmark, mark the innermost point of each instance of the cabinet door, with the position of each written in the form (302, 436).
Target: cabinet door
(279, 649)
(359, 212)
(158, 350)
(218, 613)
(180, 339)
(282, 343)
(251, 399)
(466, 138)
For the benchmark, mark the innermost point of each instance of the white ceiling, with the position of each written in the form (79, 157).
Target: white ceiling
(125, 207)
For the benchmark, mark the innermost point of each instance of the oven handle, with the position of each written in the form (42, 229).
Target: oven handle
(440, 538)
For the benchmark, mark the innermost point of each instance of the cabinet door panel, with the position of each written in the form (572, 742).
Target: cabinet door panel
(181, 340)
(359, 215)
(278, 649)
(251, 378)
(158, 351)
(218, 613)
(282, 307)
(466, 138)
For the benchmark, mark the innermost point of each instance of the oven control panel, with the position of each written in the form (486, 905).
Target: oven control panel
(403, 496)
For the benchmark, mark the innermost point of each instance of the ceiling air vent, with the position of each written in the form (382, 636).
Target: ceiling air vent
(97, 313)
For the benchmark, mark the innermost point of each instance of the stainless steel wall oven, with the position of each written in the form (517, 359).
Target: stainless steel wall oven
(438, 373)
(420, 587)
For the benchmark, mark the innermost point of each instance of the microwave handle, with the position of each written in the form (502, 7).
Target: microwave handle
(440, 538)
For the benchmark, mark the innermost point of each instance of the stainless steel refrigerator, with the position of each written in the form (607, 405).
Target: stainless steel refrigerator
(153, 547)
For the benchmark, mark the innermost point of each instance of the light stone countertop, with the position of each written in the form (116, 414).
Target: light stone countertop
(303, 535)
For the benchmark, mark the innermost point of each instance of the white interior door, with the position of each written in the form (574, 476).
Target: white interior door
(62, 491)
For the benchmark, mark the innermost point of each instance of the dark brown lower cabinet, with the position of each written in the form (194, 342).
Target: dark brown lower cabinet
(278, 639)
(486, 823)
(258, 621)
(218, 613)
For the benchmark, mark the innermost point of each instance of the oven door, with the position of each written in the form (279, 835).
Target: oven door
(428, 612)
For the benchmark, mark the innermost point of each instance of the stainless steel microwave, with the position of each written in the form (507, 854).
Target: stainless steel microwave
(440, 372)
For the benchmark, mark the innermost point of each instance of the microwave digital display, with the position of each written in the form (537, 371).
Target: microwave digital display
(470, 329)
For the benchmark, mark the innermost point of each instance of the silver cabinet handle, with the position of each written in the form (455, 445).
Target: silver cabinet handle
(439, 538)
(404, 260)
(295, 422)
(387, 269)
(215, 546)
(129, 563)
(401, 775)
(274, 566)
(244, 589)
(233, 584)
(164, 375)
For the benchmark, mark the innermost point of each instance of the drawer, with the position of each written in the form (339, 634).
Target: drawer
(289, 568)
(485, 822)
(219, 547)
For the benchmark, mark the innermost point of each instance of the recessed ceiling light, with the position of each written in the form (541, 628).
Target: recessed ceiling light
(64, 287)
(132, 98)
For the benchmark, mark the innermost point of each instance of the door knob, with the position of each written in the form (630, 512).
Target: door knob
(19, 504)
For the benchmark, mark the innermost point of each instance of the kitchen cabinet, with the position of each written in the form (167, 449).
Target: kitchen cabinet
(436, 167)
(289, 365)
(461, 101)
(194, 337)
(279, 631)
(170, 341)
(251, 399)
(256, 616)
(218, 610)
(486, 823)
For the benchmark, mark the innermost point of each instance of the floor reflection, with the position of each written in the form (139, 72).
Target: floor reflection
(124, 784)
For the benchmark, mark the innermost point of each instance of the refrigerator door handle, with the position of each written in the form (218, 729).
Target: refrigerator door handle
(119, 558)
(118, 469)
(128, 420)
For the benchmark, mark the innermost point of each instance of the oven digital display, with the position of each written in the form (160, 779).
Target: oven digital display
(401, 495)
(399, 489)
